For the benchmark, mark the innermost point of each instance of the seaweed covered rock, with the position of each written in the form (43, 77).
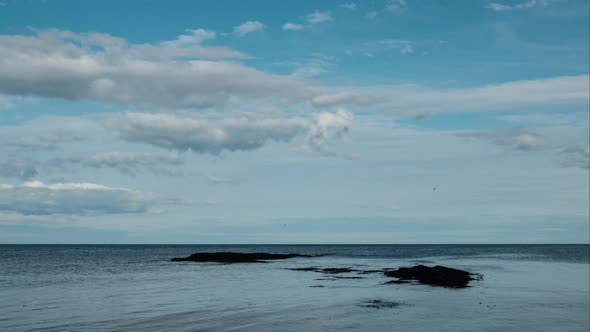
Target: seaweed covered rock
(234, 257)
(434, 276)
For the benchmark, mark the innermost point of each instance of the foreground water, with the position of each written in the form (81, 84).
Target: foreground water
(136, 287)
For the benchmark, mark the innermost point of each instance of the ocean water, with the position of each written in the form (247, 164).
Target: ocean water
(137, 288)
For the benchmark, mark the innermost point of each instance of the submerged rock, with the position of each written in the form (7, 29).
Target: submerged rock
(378, 304)
(310, 269)
(342, 277)
(234, 257)
(434, 276)
(398, 282)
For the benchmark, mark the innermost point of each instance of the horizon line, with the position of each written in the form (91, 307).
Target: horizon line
(281, 244)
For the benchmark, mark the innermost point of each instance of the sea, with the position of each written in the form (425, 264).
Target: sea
(138, 288)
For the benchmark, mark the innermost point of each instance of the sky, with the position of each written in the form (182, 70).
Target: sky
(392, 122)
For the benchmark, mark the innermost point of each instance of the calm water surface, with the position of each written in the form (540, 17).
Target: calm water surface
(136, 287)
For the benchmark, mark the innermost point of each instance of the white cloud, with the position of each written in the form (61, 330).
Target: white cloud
(18, 168)
(193, 37)
(202, 136)
(498, 6)
(38, 198)
(248, 27)
(350, 5)
(523, 5)
(412, 100)
(526, 141)
(292, 26)
(319, 17)
(327, 126)
(105, 68)
(62, 64)
(240, 133)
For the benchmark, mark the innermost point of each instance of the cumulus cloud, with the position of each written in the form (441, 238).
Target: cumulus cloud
(248, 27)
(327, 126)
(319, 17)
(38, 198)
(18, 168)
(202, 136)
(523, 5)
(101, 67)
(292, 26)
(240, 133)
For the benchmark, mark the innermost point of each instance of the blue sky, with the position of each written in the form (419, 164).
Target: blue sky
(294, 122)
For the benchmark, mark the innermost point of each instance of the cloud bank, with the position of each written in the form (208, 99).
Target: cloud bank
(62, 64)
(184, 74)
(38, 198)
(241, 133)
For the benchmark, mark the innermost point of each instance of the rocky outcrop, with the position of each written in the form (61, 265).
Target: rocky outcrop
(434, 276)
(234, 257)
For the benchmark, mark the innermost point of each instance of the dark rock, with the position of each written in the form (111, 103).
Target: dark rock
(335, 270)
(330, 270)
(434, 276)
(234, 257)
